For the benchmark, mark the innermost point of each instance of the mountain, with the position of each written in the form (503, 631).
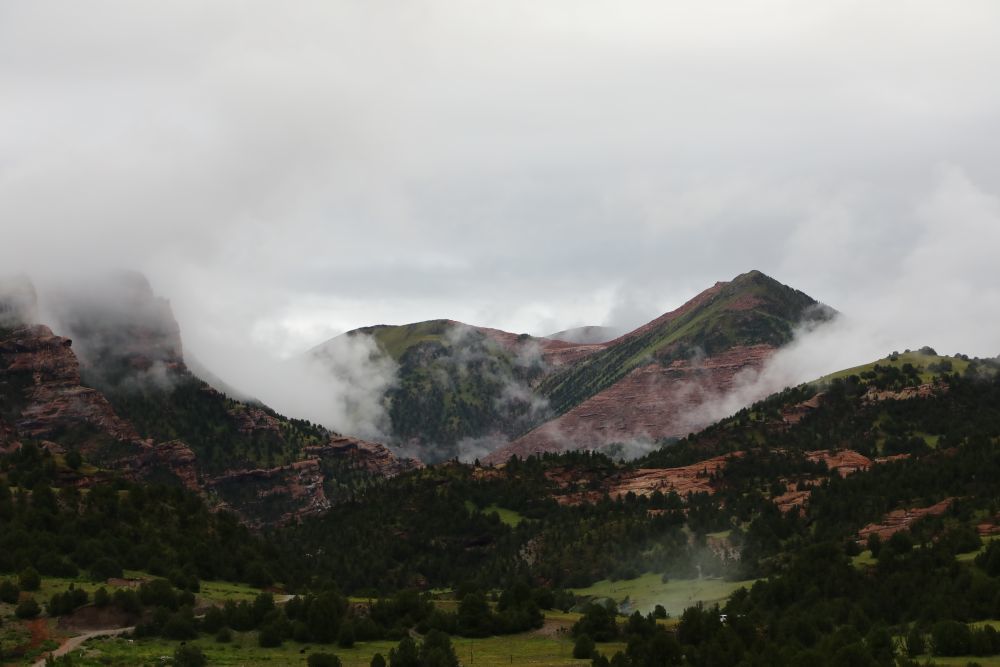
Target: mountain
(854, 516)
(119, 393)
(787, 488)
(467, 391)
(457, 387)
(588, 335)
(660, 380)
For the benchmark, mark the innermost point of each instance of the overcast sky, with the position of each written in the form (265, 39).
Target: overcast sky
(287, 171)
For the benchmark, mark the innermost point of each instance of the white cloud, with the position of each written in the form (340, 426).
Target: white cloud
(284, 174)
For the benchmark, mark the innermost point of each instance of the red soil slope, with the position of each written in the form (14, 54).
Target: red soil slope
(651, 402)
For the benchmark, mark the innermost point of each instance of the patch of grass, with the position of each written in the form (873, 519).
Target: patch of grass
(864, 559)
(959, 661)
(396, 340)
(221, 591)
(647, 591)
(971, 556)
(919, 360)
(509, 517)
(13, 635)
(530, 648)
(211, 591)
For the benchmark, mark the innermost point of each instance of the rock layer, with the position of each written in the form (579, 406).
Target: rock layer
(650, 403)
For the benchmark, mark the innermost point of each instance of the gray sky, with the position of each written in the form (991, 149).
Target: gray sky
(286, 172)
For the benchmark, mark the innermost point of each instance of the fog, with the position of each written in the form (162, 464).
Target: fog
(285, 175)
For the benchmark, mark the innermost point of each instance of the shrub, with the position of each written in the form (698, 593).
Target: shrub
(180, 626)
(951, 638)
(101, 597)
(323, 660)
(29, 580)
(105, 568)
(269, 635)
(9, 592)
(189, 656)
(584, 648)
(28, 608)
(345, 639)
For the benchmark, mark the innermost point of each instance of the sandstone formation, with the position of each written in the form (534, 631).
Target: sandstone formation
(42, 368)
(250, 420)
(694, 478)
(274, 495)
(793, 414)
(927, 390)
(902, 519)
(652, 402)
(174, 456)
(372, 457)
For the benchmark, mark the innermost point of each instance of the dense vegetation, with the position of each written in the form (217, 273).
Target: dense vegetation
(185, 408)
(455, 383)
(504, 546)
(465, 386)
(118, 525)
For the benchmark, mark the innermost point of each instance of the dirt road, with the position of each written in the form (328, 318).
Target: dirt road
(74, 643)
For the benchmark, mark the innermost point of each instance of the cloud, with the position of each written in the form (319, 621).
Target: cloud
(283, 176)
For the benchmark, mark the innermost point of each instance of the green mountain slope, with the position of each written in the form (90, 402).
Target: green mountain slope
(752, 309)
(456, 383)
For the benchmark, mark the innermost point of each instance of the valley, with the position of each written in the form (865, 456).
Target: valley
(140, 503)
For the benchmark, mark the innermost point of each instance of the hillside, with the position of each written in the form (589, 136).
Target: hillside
(785, 493)
(119, 394)
(458, 388)
(660, 380)
(476, 392)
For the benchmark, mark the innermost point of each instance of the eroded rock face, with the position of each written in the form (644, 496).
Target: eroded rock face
(131, 337)
(899, 520)
(372, 457)
(174, 456)
(42, 373)
(250, 420)
(274, 495)
(694, 478)
(927, 390)
(650, 403)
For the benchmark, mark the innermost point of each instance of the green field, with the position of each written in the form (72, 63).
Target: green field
(544, 648)
(647, 591)
(211, 591)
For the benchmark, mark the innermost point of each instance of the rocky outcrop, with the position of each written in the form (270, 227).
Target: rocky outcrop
(844, 462)
(793, 414)
(902, 519)
(695, 478)
(274, 495)
(650, 403)
(371, 457)
(42, 369)
(250, 420)
(927, 390)
(173, 456)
